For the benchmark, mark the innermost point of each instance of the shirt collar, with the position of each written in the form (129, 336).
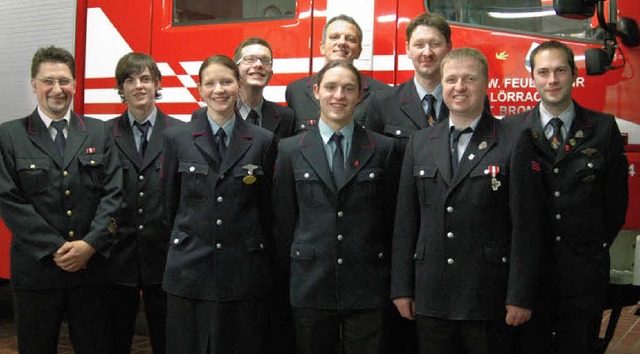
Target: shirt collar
(437, 92)
(566, 116)
(47, 120)
(151, 118)
(244, 109)
(228, 126)
(326, 132)
(473, 124)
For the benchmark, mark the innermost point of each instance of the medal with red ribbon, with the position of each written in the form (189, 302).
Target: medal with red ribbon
(493, 171)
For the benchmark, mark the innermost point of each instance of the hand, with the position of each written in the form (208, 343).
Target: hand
(406, 306)
(73, 256)
(516, 315)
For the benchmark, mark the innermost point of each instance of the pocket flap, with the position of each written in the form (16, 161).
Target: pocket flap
(302, 251)
(398, 131)
(425, 171)
(305, 174)
(92, 160)
(33, 164)
(178, 238)
(369, 174)
(193, 167)
(485, 170)
(496, 252)
(255, 244)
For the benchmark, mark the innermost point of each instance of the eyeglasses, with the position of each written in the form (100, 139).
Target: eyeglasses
(51, 82)
(250, 60)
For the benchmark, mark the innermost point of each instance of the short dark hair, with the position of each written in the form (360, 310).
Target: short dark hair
(429, 19)
(52, 54)
(344, 18)
(568, 53)
(250, 41)
(221, 60)
(343, 64)
(133, 64)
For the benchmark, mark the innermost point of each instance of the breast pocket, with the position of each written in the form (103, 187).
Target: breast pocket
(489, 185)
(246, 182)
(193, 177)
(92, 171)
(369, 184)
(309, 188)
(425, 177)
(33, 174)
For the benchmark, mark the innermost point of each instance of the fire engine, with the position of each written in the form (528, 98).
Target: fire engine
(179, 34)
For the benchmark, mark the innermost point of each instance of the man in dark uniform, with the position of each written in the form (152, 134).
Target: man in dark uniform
(255, 62)
(416, 103)
(334, 195)
(140, 249)
(341, 40)
(585, 179)
(466, 240)
(60, 193)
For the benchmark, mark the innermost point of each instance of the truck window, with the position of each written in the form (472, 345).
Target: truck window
(535, 16)
(187, 12)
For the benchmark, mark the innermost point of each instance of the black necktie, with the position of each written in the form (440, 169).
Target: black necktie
(144, 129)
(556, 138)
(337, 166)
(60, 140)
(253, 117)
(431, 113)
(455, 138)
(219, 139)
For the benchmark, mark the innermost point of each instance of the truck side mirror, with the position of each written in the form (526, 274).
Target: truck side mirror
(575, 9)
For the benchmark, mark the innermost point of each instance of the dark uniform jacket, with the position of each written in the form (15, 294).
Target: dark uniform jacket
(46, 201)
(220, 215)
(465, 246)
(140, 247)
(398, 112)
(278, 119)
(586, 196)
(300, 98)
(336, 240)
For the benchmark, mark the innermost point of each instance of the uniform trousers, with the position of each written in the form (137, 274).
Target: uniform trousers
(39, 314)
(443, 336)
(576, 323)
(320, 331)
(210, 327)
(123, 311)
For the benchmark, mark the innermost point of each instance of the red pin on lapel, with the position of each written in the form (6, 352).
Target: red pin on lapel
(91, 150)
(356, 163)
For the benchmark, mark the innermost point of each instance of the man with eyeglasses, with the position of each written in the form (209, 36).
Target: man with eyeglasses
(254, 57)
(341, 40)
(136, 266)
(60, 194)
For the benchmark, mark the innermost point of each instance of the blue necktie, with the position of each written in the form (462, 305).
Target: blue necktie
(431, 113)
(60, 140)
(220, 145)
(556, 138)
(337, 165)
(455, 138)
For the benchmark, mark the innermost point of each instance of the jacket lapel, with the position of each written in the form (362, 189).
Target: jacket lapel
(482, 140)
(312, 149)
(76, 137)
(203, 136)
(580, 131)
(541, 142)
(309, 92)
(362, 148)
(239, 142)
(270, 116)
(155, 141)
(39, 135)
(440, 150)
(411, 105)
(123, 137)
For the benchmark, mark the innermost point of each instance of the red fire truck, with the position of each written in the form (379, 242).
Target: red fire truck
(179, 34)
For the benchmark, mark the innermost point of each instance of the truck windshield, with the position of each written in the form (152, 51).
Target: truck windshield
(533, 16)
(191, 12)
